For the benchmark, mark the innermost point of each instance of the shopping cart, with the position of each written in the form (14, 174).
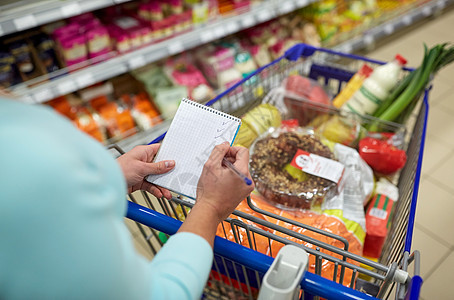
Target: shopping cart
(238, 269)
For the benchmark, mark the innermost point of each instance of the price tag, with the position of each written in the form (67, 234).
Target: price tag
(66, 87)
(264, 15)
(175, 47)
(232, 27)
(71, 10)
(407, 20)
(25, 22)
(369, 39)
(136, 62)
(427, 11)
(248, 21)
(287, 7)
(219, 32)
(347, 48)
(85, 80)
(441, 4)
(28, 99)
(206, 36)
(43, 95)
(389, 28)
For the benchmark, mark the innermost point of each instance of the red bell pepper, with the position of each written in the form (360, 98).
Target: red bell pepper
(381, 155)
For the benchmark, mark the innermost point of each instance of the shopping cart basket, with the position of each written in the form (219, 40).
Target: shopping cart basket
(238, 270)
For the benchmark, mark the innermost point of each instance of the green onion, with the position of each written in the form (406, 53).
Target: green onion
(414, 83)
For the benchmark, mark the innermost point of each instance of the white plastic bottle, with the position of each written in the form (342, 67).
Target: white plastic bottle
(375, 88)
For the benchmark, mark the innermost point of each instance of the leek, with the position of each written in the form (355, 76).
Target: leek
(413, 84)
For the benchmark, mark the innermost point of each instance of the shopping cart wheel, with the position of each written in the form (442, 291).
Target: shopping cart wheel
(282, 280)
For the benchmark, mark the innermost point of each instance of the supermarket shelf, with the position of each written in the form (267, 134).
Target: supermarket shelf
(130, 61)
(22, 15)
(143, 138)
(369, 37)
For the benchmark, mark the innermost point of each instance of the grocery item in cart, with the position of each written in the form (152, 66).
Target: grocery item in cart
(379, 216)
(352, 86)
(279, 180)
(375, 88)
(241, 233)
(381, 153)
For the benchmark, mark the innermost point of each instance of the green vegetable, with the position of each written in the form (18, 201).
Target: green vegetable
(414, 83)
(402, 85)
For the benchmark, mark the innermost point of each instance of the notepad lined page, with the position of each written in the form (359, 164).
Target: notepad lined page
(194, 132)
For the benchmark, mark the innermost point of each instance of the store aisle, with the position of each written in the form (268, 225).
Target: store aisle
(433, 234)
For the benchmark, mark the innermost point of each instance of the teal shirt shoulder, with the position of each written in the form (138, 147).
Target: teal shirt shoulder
(62, 204)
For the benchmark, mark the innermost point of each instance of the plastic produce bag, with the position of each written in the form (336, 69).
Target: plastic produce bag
(292, 168)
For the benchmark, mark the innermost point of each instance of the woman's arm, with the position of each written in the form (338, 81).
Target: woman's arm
(181, 268)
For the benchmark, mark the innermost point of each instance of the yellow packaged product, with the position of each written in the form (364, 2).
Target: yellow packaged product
(262, 117)
(352, 86)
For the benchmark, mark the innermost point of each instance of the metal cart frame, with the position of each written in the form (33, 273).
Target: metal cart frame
(238, 270)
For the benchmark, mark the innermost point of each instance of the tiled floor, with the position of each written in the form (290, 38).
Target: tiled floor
(434, 230)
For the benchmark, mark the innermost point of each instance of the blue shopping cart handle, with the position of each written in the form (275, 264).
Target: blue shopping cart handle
(311, 283)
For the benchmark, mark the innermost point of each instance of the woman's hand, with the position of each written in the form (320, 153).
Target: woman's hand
(137, 164)
(219, 191)
(219, 187)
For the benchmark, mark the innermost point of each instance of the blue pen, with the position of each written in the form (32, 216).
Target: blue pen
(229, 165)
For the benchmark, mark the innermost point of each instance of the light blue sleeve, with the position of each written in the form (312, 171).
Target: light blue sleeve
(62, 233)
(181, 268)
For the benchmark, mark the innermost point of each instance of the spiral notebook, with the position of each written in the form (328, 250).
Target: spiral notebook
(195, 130)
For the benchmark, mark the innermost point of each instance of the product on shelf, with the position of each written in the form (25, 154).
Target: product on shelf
(338, 20)
(275, 162)
(165, 95)
(22, 63)
(8, 74)
(218, 65)
(145, 115)
(183, 71)
(116, 117)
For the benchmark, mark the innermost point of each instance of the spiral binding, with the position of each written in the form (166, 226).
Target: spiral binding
(211, 110)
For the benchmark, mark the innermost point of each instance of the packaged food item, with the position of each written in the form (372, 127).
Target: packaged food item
(145, 115)
(304, 99)
(118, 119)
(121, 41)
(218, 65)
(375, 88)
(7, 73)
(182, 71)
(262, 117)
(271, 247)
(155, 11)
(340, 128)
(90, 123)
(74, 49)
(379, 216)
(381, 154)
(294, 169)
(46, 52)
(22, 57)
(260, 54)
(168, 99)
(98, 41)
(352, 86)
(306, 88)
